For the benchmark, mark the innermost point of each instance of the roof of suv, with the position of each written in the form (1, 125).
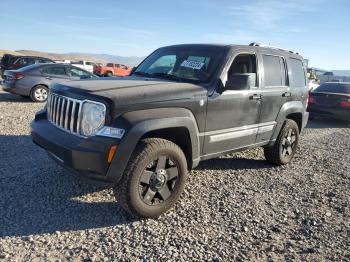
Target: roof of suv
(266, 49)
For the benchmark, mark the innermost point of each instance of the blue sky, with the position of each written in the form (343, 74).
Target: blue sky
(320, 30)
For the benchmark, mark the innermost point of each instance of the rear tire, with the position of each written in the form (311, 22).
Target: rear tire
(154, 178)
(283, 151)
(109, 74)
(39, 93)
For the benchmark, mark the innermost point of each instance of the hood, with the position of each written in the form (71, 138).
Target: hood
(133, 90)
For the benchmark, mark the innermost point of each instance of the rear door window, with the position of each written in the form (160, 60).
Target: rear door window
(55, 70)
(297, 73)
(273, 71)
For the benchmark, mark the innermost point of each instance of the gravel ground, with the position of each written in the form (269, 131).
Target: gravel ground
(234, 208)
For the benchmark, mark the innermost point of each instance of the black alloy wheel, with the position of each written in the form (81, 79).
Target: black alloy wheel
(158, 180)
(153, 179)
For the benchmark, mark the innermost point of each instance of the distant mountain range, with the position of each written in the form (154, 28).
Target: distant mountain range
(129, 60)
(76, 56)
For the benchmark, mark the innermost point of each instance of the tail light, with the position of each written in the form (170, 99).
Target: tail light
(310, 100)
(345, 102)
(18, 76)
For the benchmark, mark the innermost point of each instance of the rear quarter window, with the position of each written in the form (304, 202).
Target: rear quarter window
(297, 73)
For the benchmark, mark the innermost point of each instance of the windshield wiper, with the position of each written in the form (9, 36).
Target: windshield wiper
(166, 76)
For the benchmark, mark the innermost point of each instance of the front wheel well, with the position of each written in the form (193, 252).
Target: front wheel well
(178, 135)
(38, 85)
(298, 118)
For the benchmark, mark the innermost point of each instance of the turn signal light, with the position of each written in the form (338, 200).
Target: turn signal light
(111, 154)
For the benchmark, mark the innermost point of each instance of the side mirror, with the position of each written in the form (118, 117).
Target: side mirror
(241, 81)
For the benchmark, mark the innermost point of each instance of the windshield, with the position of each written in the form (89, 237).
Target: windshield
(193, 64)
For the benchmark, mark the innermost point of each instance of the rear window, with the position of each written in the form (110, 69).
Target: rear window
(28, 68)
(334, 88)
(297, 73)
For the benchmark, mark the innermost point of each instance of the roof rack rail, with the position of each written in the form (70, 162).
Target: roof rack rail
(273, 47)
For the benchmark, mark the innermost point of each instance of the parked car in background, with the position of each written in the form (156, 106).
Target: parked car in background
(63, 61)
(10, 62)
(86, 65)
(34, 80)
(330, 100)
(183, 104)
(112, 69)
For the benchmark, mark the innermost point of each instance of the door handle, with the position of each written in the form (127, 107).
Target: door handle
(255, 97)
(48, 78)
(287, 94)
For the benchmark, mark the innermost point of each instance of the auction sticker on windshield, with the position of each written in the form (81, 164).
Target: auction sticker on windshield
(192, 64)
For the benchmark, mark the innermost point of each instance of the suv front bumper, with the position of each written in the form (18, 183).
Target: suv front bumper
(84, 156)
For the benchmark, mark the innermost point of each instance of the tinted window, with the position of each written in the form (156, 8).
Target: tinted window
(109, 65)
(56, 70)
(297, 73)
(272, 71)
(76, 72)
(334, 88)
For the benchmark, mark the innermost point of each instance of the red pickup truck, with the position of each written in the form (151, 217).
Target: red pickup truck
(112, 69)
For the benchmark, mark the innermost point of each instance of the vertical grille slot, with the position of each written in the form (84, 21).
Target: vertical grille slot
(64, 112)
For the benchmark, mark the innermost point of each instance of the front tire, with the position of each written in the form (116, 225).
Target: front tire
(39, 93)
(154, 178)
(283, 151)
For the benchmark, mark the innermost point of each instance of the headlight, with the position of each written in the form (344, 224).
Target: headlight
(93, 118)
